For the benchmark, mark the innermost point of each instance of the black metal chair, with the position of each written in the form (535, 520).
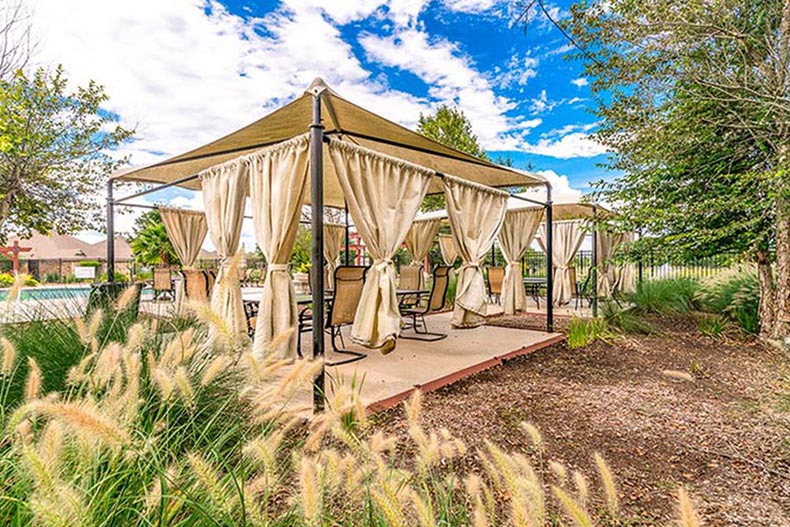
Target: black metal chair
(349, 281)
(436, 302)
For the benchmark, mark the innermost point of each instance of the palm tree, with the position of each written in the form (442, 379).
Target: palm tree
(150, 243)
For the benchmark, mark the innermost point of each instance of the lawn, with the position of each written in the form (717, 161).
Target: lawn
(723, 433)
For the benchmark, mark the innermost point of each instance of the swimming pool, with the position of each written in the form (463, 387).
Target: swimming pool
(49, 293)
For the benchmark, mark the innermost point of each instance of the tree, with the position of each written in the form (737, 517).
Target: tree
(16, 45)
(451, 127)
(54, 153)
(150, 243)
(694, 98)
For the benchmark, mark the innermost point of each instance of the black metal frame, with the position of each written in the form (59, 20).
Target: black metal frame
(414, 313)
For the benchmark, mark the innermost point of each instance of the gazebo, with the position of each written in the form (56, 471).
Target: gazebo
(323, 150)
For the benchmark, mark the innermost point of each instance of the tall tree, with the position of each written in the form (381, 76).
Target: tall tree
(694, 98)
(54, 153)
(451, 127)
(16, 43)
(150, 243)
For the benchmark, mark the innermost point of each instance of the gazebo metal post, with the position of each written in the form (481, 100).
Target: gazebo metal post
(595, 263)
(348, 252)
(549, 261)
(493, 256)
(110, 233)
(317, 226)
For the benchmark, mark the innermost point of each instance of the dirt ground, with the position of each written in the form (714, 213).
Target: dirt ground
(725, 433)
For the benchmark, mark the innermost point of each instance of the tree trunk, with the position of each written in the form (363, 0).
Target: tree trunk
(767, 294)
(781, 320)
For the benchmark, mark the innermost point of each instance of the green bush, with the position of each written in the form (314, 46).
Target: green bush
(90, 263)
(712, 326)
(584, 331)
(667, 296)
(627, 320)
(734, 293)
(6, 280)
(119, 277)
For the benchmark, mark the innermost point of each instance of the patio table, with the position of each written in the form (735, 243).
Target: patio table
(533, 286)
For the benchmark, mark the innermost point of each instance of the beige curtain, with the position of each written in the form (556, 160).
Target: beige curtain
(516, 235)
(448, 249)
(383, 195)
(539, 238)
(476, 214)
(626, 281)
(567, 238)
(278, 177)
(224, 194)
(334, 237)
(419, 240)
(186, 230)
(607, 242)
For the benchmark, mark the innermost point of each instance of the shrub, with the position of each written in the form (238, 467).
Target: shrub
(627, 320)
(584, 331)
(667, 296)
(119, 277)
(165, 430)
(734, 293)
(52, 278)
(6, 280)
(712, 326)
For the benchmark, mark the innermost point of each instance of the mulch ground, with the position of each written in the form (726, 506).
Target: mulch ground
(725, 434)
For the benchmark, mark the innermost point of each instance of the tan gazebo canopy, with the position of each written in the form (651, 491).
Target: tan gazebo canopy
(340, 118)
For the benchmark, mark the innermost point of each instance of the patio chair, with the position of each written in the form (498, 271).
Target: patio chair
(584, 291)
(436, 301)
(409, 280)
(251, 314)
(349, 281)
(211, 277)
(163, 284)
(195, 284)
(496, 276)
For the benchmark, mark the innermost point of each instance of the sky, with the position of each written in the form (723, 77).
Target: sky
(184, 72)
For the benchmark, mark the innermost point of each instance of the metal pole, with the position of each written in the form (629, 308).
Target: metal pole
(110, 234)
(549, 261)
(595, 263)
(348, 250)
(493, 256)
(317, 225)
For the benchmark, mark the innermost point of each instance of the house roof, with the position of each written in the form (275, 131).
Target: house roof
(342, 119)
(64, 246)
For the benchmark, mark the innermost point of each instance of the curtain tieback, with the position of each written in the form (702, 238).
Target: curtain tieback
(276, 267)
(382, 263)
(469, 265)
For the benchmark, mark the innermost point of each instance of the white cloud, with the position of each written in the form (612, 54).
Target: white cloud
(561, 189)
(469, 6)
(576, 144)
(450, 75)
(517, 71)
(542, 103)
(580, 82)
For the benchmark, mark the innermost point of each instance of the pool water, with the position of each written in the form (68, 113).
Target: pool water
(49, 293)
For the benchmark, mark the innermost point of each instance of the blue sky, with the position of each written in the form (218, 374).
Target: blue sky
(184, 72)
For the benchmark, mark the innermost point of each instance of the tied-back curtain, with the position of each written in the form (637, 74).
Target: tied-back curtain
(224, 194)
(567, 237)
(476, 214)
(626, 282)
(383, 195)
(516, 235)
(448, 249)
(334, 237)
(420, 238)
(186, 230)
(607, 242)
(278, 176)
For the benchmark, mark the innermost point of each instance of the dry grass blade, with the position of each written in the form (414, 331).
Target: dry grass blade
(9, 356)
(688, 515)
(575, 511)
(85, 418)
(33, 382)
(607, 479)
